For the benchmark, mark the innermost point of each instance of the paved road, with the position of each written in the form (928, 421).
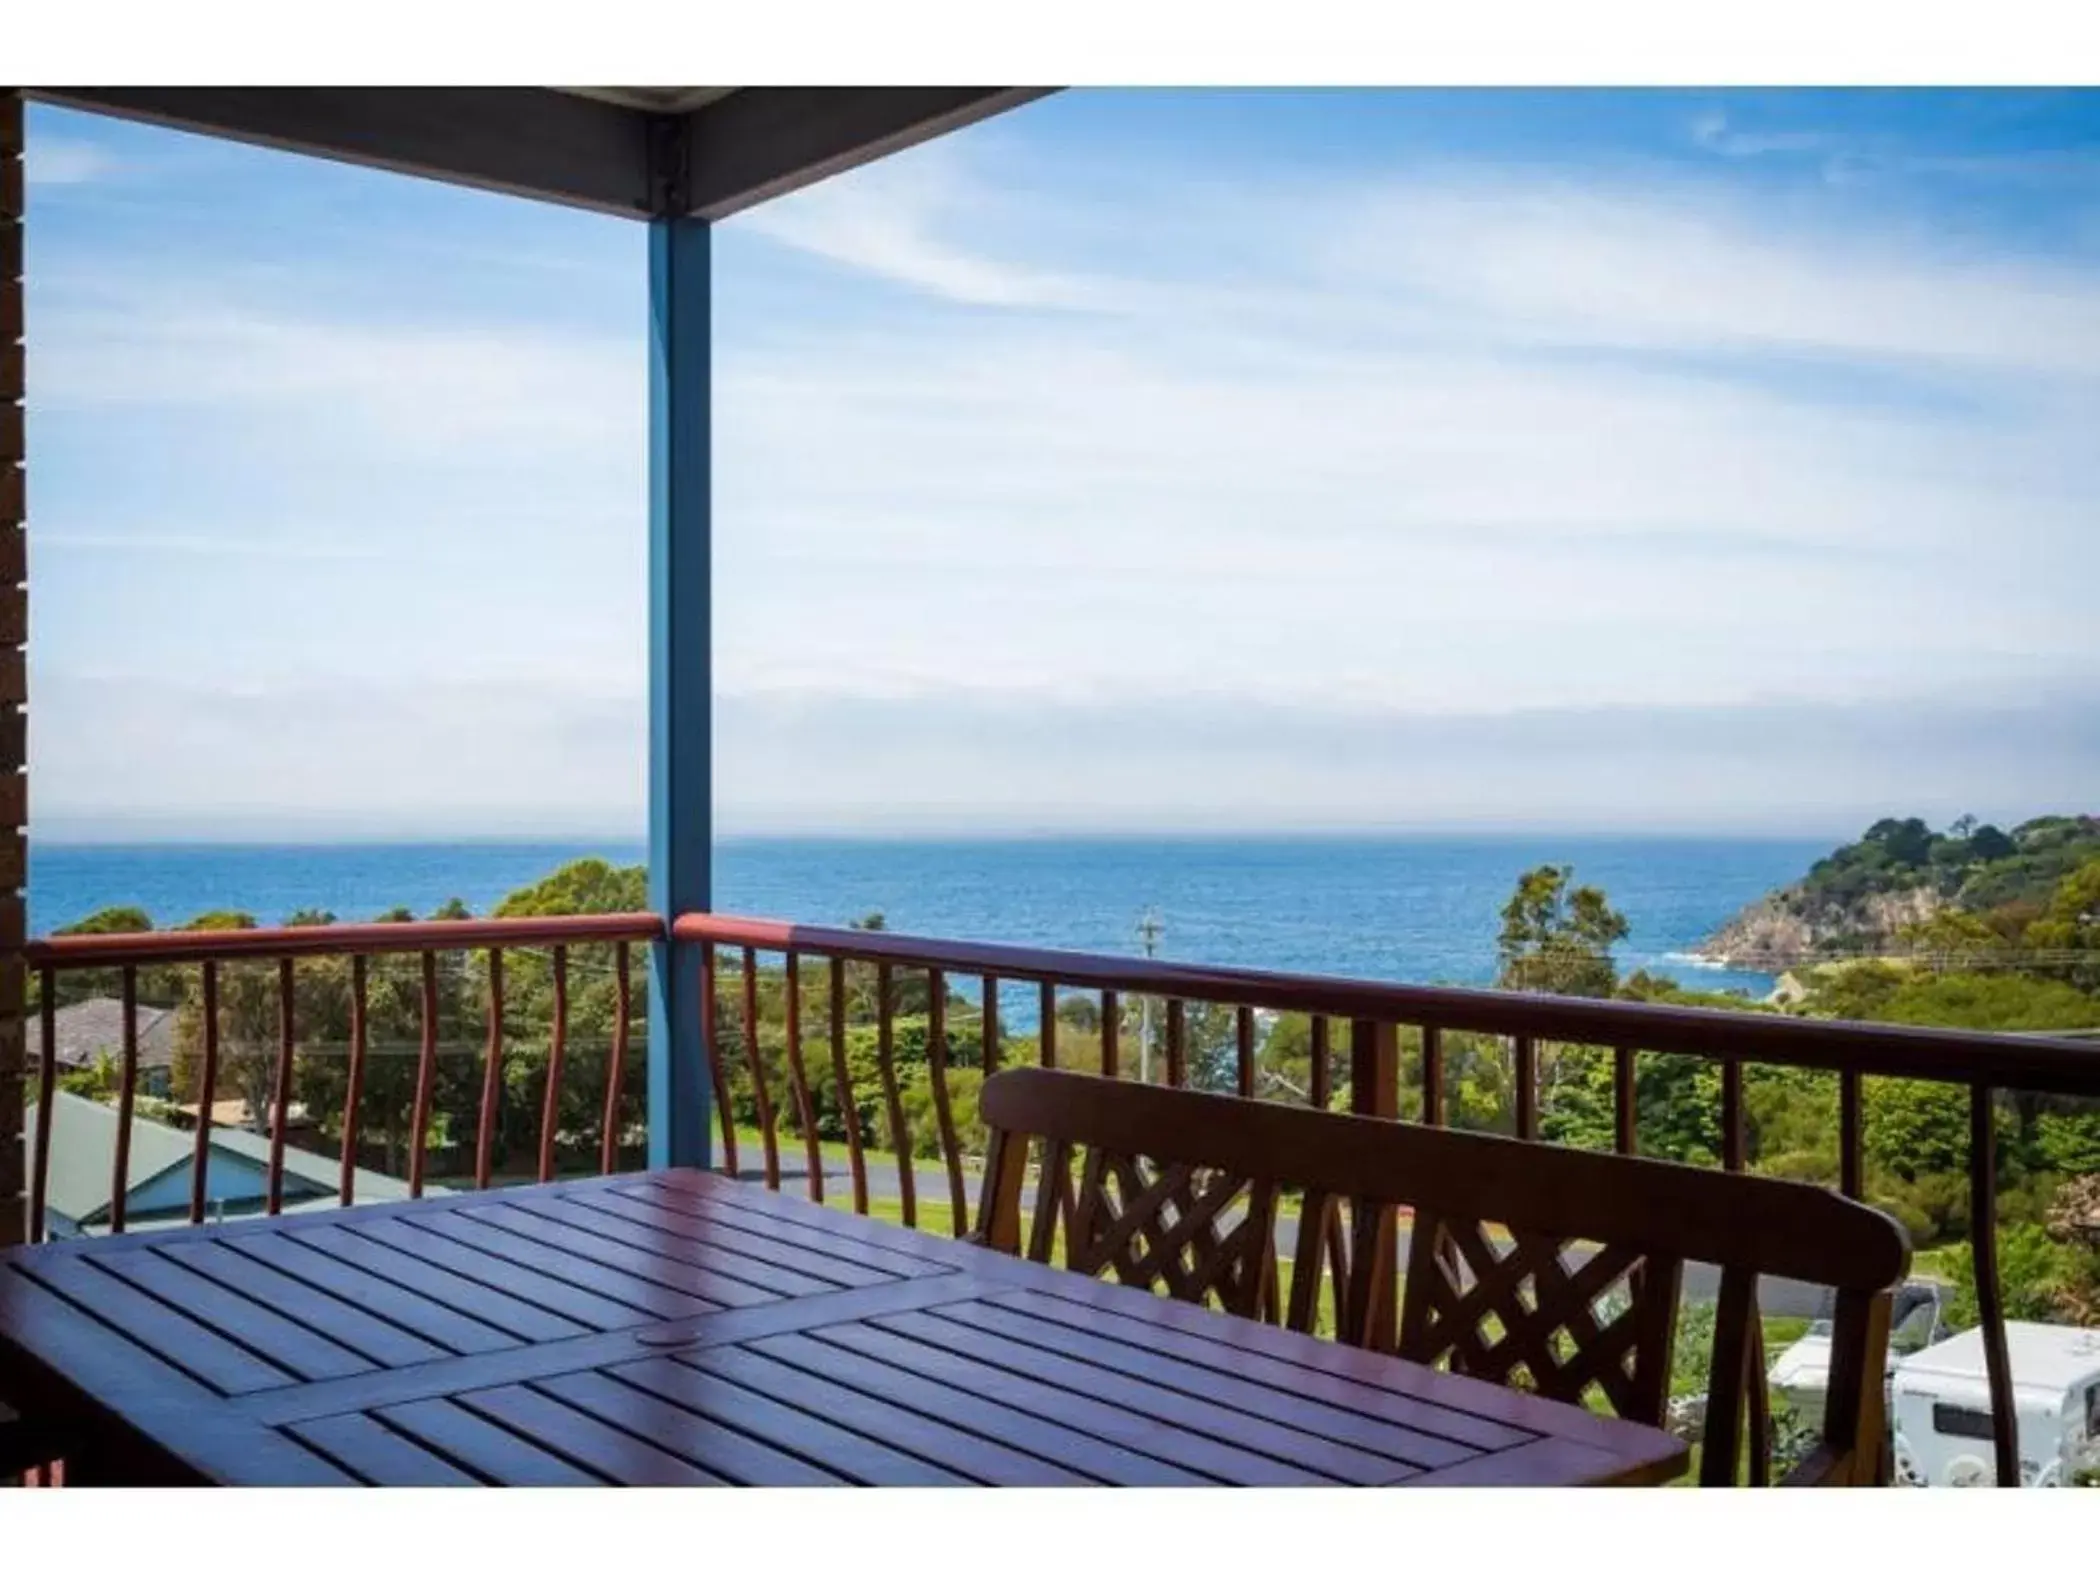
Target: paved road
(1702, 1282)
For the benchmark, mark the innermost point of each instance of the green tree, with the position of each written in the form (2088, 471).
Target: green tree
(1992, 1003)
(1953, 938)
(1557, 940)
(2040, 1279)
(1855, 991)
(393, 1053)
(2067, 1139)
(2044, 851)
(1904, 842)
(122, 919)
(1677, 1104)
(1286, 1060)
(2071, 923)
(99, 1081)
(922, 1117)
(1210, 1035)
(1081, 1012)
(1914, 1128)
(582, 886)
(247, 1028)
(1478, 1082)
(1987, 845)
(159, 984)
(1997, 1002)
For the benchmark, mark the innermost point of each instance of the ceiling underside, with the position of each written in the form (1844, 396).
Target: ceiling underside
(640, 152)
(653, 100)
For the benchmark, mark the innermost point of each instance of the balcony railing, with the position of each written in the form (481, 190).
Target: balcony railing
(213, 951)
(1375, 1014)
(828, 981)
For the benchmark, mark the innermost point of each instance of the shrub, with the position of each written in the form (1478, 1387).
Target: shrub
(922, 1118)
(1932, 1207)
(2040, 1279)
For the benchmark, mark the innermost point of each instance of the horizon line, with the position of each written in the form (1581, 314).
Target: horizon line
(910, 835)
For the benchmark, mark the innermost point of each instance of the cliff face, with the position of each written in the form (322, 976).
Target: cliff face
(1900, 872)
(1786, 926)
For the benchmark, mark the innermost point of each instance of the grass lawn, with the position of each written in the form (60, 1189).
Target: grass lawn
(936, 1218)
(1781, 1333)
(751, 1153)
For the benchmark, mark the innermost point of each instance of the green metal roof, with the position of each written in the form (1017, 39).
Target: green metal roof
(83, 1155)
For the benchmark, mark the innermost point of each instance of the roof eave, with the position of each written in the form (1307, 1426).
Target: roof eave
(583, 148)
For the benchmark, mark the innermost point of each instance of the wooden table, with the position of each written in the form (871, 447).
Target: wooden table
(674, 1327)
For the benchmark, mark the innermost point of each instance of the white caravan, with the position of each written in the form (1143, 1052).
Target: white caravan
(1801, 1373)
(1940, 1405)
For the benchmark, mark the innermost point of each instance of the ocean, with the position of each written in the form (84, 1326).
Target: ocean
(1417, 909)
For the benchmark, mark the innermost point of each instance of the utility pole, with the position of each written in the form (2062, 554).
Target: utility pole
(1149, 931)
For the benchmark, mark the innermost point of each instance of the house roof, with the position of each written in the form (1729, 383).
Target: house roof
(640, 152)
(88, 1030)
(83, 1153)
(371, 1186)
(224, 1112)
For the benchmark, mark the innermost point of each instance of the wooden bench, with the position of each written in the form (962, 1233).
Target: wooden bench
(1575, 1295)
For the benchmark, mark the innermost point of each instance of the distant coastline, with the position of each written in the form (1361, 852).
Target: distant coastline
(1418, 907)
(1903, 888)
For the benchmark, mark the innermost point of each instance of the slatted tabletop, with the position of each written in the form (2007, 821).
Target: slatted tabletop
(672, 1327)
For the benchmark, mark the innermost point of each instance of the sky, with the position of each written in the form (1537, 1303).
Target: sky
(1190, 460)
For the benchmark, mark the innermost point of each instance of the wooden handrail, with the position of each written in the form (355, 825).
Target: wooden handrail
(53, 956)
(2031, 1064)
(337, 940)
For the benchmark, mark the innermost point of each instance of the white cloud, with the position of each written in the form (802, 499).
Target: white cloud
(129, 544)
(1711, 131)
(49, 160)
(413, 386)
(1852, 158)
(486, 758)
(1452, 442)
(890, 220)
(1471, 255)
(1684, 269)
(160, 757)
(1179, 763)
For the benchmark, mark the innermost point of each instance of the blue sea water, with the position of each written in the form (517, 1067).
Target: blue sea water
(1420, 909)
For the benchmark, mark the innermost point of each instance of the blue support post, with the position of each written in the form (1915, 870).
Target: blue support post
(681, 798)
